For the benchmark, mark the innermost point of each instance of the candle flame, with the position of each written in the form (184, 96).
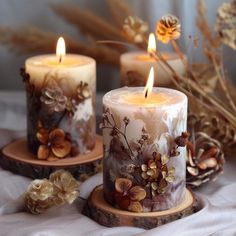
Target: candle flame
(61, 48)
(151, 43)
(149, 84)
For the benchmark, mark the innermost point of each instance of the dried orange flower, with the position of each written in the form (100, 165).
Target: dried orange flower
(66, 187)
(134, 29)
(53, 144)
(127, 196)
(168, 28)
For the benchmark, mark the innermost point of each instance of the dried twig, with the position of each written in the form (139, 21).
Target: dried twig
(34, 40)
(119, 11)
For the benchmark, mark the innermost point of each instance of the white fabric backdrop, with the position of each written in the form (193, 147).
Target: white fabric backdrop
(217, 217)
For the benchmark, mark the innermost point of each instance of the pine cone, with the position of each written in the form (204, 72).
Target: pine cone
(168, 28)
(215, 127)
(205, 159)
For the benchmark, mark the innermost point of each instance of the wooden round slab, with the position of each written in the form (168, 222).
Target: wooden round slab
(16, 158)
(99, 210)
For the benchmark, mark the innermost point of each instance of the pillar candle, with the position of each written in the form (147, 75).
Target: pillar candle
(136, 65)
(61, 105)
(144, 168)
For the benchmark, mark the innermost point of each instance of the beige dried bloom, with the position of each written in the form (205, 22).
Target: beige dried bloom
(40, 190)
(38, 196)
(66, 187)
(168, 28)
(135, 29)
(226, 24)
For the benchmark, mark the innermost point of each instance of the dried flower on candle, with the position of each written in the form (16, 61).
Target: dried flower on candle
(168, 28)
(127, 196)
(38, 196)
(53, 99)
(83, 91)
(53, 144)
(226, 24)
(30, 88)
(135, 29)
(66, 187)
(71, 107)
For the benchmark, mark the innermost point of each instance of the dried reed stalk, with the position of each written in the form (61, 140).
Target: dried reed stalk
(34, 40)
(212, 49)
(87, 22)
(119, 11)
(91, 25)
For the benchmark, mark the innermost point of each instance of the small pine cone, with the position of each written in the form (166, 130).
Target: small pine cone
(168, 28)
(36, 207)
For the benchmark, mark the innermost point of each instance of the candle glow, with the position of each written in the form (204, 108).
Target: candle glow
(61, 48)
(151, 43)
(149, 84)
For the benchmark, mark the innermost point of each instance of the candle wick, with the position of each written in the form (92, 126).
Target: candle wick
(60, 58)
(146, 93)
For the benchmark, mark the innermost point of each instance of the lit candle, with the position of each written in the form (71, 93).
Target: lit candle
(136, 65)
(61, 98)
(140, 126)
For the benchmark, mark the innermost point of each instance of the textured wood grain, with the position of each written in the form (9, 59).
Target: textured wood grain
(16, 158)
(99, 210)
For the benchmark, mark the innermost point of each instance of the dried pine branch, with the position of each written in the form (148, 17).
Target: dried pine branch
(34, 40)
(119, 11)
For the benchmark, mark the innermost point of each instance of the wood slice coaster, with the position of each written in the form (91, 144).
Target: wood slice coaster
(16, 158)
(102, 212)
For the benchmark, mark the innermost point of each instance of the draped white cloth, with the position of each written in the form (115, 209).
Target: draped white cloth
(217, 217)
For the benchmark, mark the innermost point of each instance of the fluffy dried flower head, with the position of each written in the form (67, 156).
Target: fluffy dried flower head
(40, 189)
(134, 29)
(168, 28)
(226, 24)
(38, 196)
(66, 187)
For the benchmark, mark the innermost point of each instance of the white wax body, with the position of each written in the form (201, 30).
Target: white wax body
(45, 71)
(162, 121)
(139, 62)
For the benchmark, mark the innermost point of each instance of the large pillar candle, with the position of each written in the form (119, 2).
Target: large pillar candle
(144, 168)
(60, 100)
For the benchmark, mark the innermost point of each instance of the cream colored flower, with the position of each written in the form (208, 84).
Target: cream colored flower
(66, 187)
(40, 190)
(38, 197)
(134, 29)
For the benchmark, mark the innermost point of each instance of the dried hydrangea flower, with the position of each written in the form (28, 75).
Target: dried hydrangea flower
(127, 196)
(53, 144)
(38, 196)
(168, 28)
(226, 24)
(66, 187)
(53, 99)
(135, 29)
